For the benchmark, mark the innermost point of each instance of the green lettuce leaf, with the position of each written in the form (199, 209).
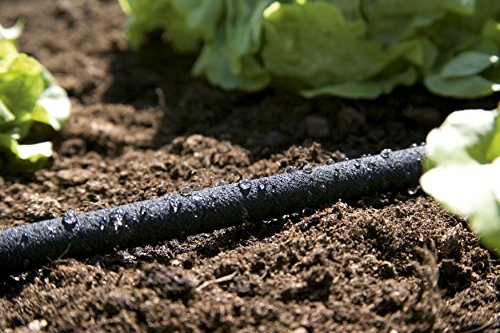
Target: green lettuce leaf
(28, 94)
(462, 170)
(347, 48)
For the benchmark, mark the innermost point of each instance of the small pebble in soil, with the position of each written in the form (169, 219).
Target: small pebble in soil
(317, 126)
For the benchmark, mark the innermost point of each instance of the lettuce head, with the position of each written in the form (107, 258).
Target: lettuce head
(346, 48)
(29, 94)
(462, 170)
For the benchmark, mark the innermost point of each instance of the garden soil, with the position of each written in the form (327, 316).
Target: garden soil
(142, 127)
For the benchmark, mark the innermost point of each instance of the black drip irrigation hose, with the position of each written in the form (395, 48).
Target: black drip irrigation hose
(148, 222)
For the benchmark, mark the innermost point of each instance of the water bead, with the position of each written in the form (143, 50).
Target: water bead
(198, 199)
(175, 205)
(385, 152)
(69, 218)
(307, 168)
(197, 187)
(143, 211)
(413, 191)
(185, 191)
(245, 184)
(116, 219)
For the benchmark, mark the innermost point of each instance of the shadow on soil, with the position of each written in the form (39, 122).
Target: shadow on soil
(269, 121)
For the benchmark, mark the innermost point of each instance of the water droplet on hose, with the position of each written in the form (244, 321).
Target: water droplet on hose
(143, 211)
(413, 191)
(290, 169)
(186, 191)
(198, 200)
(51, 229)
(69, 218)
(357, 165)
(307, 168)
(175, 205)
(24, 238)
(330, 161)
(116, 219)
(262, 187)
(413, 145)
(385, 152)
(197, 187)
(245, 184)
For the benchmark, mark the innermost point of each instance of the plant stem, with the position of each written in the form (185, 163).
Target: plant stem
(148, 222)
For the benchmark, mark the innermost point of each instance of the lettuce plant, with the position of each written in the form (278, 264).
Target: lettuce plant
(28, 94)
(462, 170)
(347, 48)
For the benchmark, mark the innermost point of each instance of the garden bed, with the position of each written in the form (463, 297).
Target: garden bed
(142, 127)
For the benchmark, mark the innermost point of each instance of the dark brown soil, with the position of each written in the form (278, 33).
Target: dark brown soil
(142, 127)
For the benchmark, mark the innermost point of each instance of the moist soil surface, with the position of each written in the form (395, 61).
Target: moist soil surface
(142, 127)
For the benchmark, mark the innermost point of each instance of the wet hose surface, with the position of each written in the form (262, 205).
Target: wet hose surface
(148, 222)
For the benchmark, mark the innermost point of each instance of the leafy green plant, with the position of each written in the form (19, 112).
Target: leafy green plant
(462, 167)
(347, 48)
(28, 94)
